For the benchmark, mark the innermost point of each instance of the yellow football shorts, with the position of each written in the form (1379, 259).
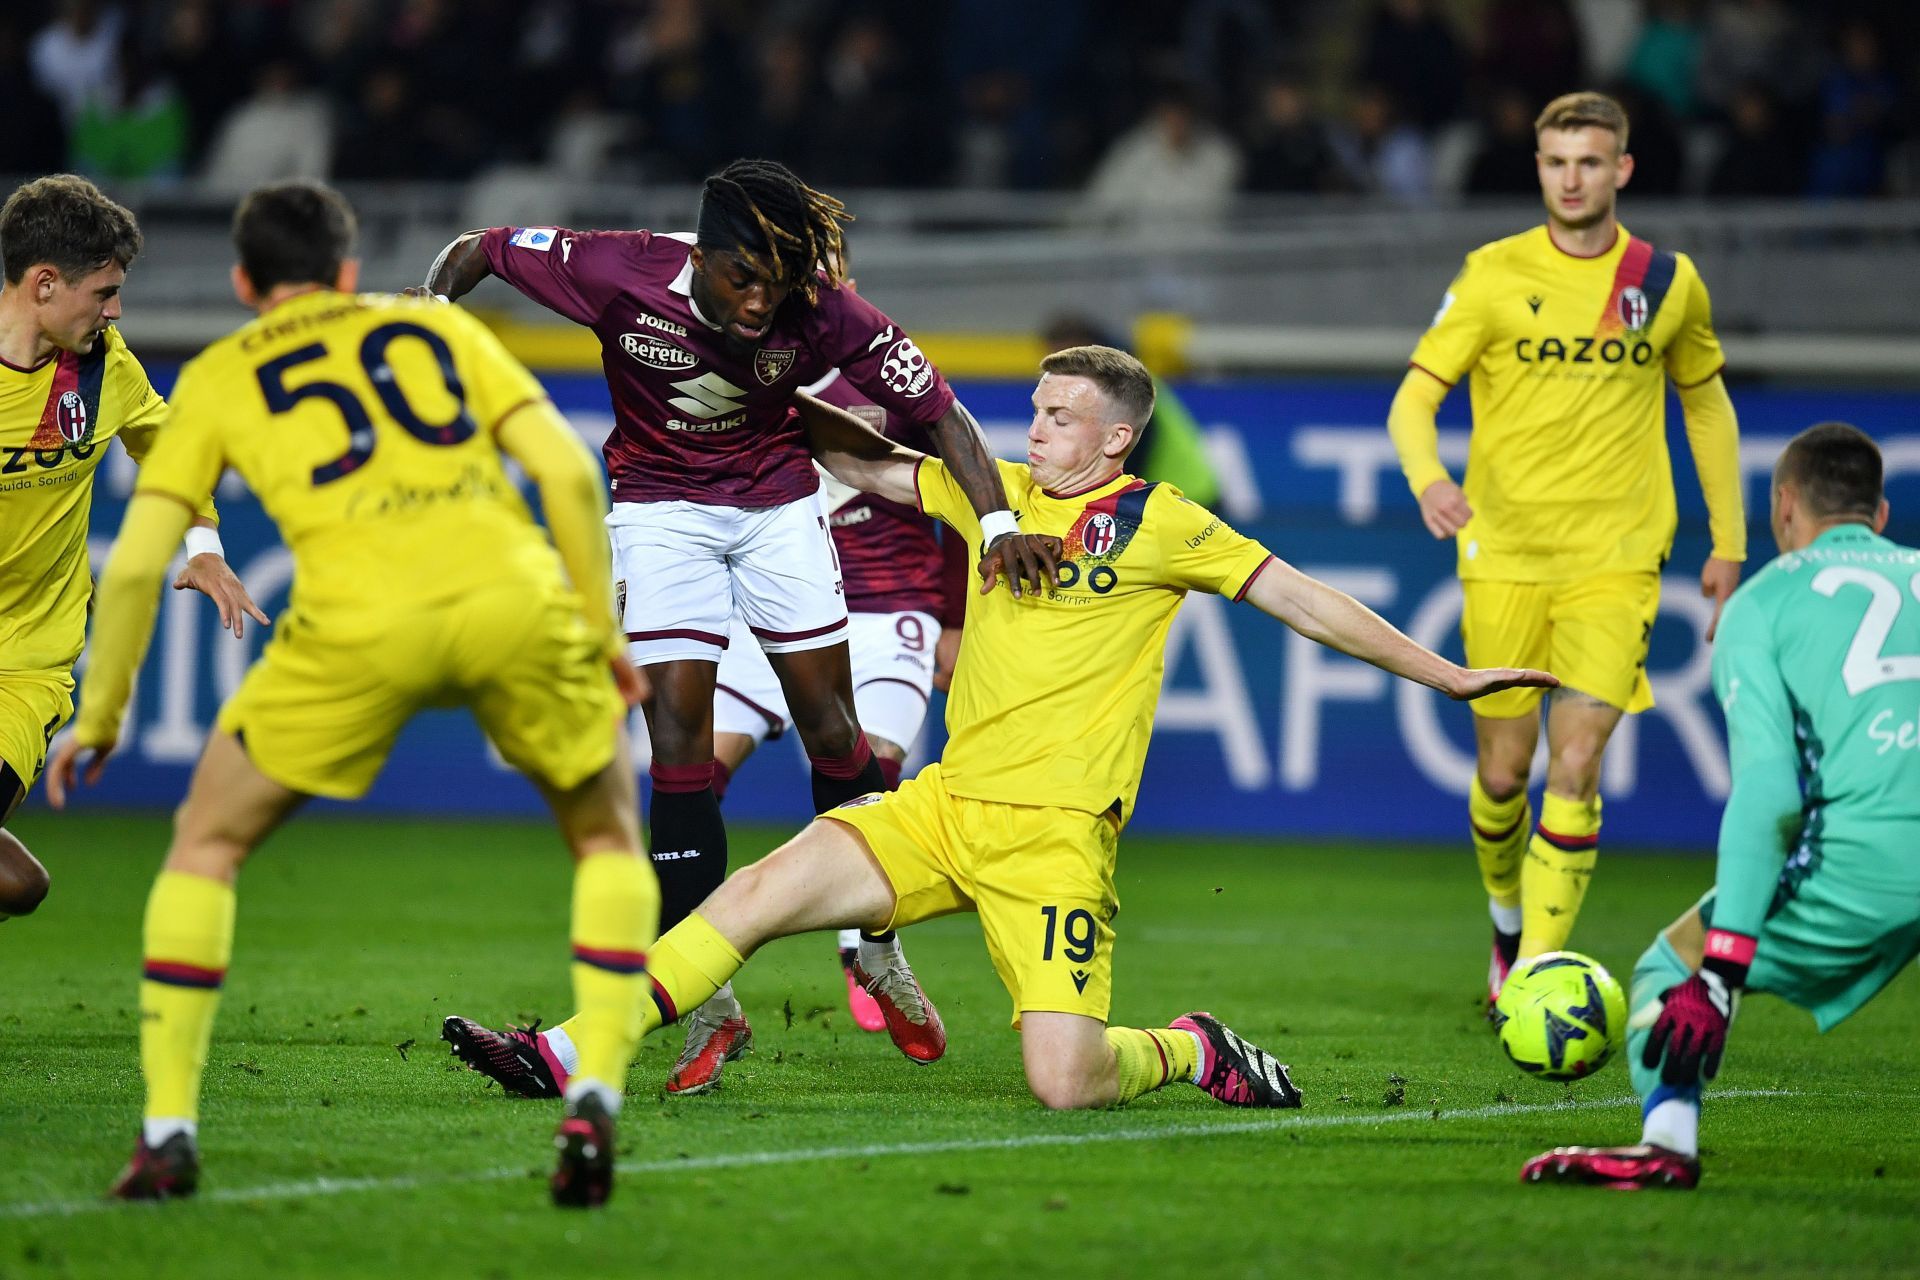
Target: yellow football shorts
(1591, 632)
(33, 706)
(319, 712)
(1041, 880)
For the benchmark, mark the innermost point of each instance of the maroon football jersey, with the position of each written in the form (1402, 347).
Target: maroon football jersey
(696, 418)
(889, 553)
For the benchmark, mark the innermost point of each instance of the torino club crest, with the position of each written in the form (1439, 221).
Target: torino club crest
(771, 366)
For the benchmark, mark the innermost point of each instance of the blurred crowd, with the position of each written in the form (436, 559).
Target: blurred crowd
(1142, 104)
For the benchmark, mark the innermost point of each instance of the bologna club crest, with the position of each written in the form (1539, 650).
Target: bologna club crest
(1099, 534)
(1633, 309)
(771, 366)
(70, 415)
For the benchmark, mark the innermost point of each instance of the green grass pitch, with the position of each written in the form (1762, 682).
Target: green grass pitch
(341, 1141)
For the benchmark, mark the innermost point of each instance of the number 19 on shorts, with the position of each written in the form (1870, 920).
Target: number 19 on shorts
(1075, 934)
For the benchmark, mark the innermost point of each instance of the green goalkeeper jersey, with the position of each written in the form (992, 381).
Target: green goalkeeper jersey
(1817, 667)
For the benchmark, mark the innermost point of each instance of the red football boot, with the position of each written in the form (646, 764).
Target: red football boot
(713, 1040)
(910, 1017)
(1617, 1168)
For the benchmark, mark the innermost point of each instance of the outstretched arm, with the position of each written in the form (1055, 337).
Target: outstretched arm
(1024, 558)
(857, 455)
(1335, 619)
(460, 266)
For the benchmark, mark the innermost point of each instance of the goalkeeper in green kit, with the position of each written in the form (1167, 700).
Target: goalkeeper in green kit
(1817, 894)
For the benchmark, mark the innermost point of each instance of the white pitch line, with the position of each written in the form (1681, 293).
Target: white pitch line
(316, 1187)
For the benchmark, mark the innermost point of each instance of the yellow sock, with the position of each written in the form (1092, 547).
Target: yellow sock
(1499, 838)
(688, 965)
(187, 941)
(1148, 1059)
(616, 910)
(1553, 879)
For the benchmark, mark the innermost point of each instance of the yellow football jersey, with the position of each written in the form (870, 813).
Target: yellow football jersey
(1053, 698)
(55, 422)
(365, 426)
(1567, 468)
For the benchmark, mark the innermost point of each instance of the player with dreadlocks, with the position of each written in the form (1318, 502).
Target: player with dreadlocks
(716, 510)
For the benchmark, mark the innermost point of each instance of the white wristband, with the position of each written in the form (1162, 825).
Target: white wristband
(996, 524)
(203, 541)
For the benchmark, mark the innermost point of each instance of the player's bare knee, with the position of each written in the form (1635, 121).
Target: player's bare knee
(1500, 780)
(832, 734)
(24, 883)
(1055, 1089)
(1060, 1083)
(1573, 767)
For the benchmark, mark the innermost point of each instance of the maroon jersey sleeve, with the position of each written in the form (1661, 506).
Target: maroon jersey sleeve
(876, 356)
(574, 273)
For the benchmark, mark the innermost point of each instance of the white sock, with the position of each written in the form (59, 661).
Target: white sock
(563, 1048)
(1199, 1055)
(722, 1002)
(875, 956)
(1505, 919)
(1675, 1125)
(608, 1095)
(158, 1129)
(849, 939)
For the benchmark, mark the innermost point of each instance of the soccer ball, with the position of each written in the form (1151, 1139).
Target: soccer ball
(1560, 1016)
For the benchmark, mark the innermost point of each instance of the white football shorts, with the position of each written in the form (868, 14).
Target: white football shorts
(892, 655)
(685, 570)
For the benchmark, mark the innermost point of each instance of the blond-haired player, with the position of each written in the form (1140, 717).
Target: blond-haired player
(1570, 333)
(68, 387)
(1020, 820)
(375, 431)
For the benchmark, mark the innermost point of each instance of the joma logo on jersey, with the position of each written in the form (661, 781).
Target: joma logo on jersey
(664, 326)
(656, 352)
(1581, 351)
(46, 459)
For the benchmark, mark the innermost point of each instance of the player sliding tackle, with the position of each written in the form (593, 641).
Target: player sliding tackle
(1817, 895)
(1021, 817)
(375, 432)
(705, 337)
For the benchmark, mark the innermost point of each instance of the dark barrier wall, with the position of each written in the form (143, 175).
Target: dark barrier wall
(1260, 732)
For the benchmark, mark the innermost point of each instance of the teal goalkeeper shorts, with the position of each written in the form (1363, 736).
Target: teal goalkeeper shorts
(1830, 947)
